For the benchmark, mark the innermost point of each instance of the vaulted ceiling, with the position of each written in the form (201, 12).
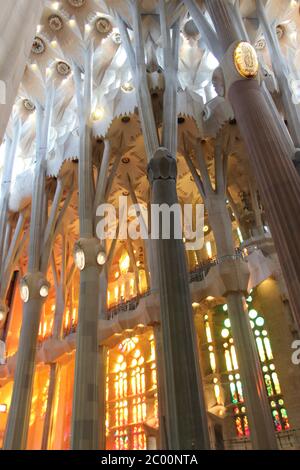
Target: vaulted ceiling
(60, 39)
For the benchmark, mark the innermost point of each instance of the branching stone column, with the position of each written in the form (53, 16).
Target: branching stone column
(186, 413)
(7, 259)
(280, 68)
(10, 153)
(12, 252)
(85, 416)
(234, 274)
(19, 414)
(34, 290)
(89, 256)
(186, 421)
(277, 179)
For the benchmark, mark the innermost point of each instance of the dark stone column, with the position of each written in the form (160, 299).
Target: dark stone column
(185, 407)
(235, 276)
(276, 176)
(277, 179)
(161, 388)
(85, 414)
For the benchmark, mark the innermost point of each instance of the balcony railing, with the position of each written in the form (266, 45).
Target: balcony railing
(196, 275)
(126, 306)
(287, 440)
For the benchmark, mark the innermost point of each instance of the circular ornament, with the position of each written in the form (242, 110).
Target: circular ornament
(55, 23)
(103, 26)
(245, 60)
(38, 46)
(63, 68)
(28, 105)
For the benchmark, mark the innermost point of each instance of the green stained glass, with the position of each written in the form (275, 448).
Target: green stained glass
(268, 383)
(234, 397)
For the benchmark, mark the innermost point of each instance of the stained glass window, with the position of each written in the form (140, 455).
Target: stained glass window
(212, 361)
(131, 394)
(271, 379)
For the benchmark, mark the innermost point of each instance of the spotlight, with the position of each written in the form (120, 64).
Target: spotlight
(44, 291)
(24, 291)
(80, 259)
(101, 257)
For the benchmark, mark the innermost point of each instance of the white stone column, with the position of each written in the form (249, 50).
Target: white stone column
(10, 153)
(186, 420)
(86, 416)
(18, 420)
(19, 413)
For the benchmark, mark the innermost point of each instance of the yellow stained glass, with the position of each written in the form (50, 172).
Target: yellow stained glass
(276, 383)
(234, 358)
(208, 332)
(228, 361)
(261, 350)
(129, 406)
(217, 393)
(268, 349)
(212, 360)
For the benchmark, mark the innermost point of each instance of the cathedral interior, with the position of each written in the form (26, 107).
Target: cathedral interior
(144, 344)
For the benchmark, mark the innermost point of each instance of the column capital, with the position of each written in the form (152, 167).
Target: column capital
(34, 286)
(235, 274)
(89, 252)
(162, 166)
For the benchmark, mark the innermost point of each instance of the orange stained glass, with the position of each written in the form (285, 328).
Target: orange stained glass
(63, 401)
(5, 399)
(131, 392)
(38, 407)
